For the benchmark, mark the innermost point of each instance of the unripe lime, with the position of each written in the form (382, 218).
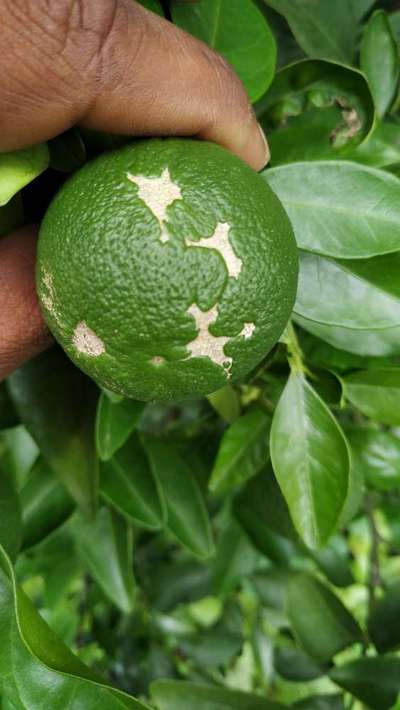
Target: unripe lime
(166, 269)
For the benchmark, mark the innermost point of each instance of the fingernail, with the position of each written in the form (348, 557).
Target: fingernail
(267, 153)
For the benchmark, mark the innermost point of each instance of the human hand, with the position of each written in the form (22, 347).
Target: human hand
(108, 65)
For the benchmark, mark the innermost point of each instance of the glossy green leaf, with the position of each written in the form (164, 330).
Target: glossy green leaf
(322, 29)
(19, 168)
(57, 404)
(127, 482)
(242, 453)
(384, 622)
(380, 60)
(381, 149)
(187, 515)
(339, 208)
(45, 503)
(11, 215)
(310, 459)
(106, 548)
(374, 681)
(376, 393)
(376, 454)
(226, 403)
(237, 30)
(294, 665)
(115, 421)
(179, 695)
(235, 560)
(375, 343)
(10, 515)
(306, 136)
(36, 669)
(348, 294)
(319, 620)
(153, 5)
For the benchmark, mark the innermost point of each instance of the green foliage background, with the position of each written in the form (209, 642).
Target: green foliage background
(239, 552)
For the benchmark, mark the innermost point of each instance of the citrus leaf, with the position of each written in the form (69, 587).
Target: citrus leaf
(238, 30)
(376, 454)
(10, 515)
(376, 393)
(19, 168)
(361, 7)
(153, 5)
(106, 547)
(235, 559)
(380, 60)
(321, 702)
(375, 681)
(187, 515)
(8, 414)
(310, 459)
(320, 621)
(322, 29)
(179, 695)
(45, 503)
(328, 219)
(375, 343)
(36, 669)
(243, 451)
(348, 294)
(381, 149)
(384, 622)
(127, 482)
(115, 421)
(295, 665)
(226, 403)
(57, 404)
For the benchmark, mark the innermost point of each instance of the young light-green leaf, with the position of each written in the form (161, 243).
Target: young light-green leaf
(115, 421)
(376, 393)
(128, 483)
(187, 515)
(340, 209)
(238, 30)
(380, 60)
(106, 548)
(320, 621)
(375, 681)
(311, 460)
(180, 695)
(19, 168)
(242, 453)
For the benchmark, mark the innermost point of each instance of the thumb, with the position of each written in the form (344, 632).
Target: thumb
(117, 67)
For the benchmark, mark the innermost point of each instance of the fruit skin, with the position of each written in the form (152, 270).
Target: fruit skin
(106, 263)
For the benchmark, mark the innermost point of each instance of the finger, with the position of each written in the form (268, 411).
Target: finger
(114, 66)
(23, 333)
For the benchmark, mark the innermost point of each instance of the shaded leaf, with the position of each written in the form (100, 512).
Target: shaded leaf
(235, 559)
(294, 665)
(115, 421)
(106, 547)
(8, 414)
(339, 208)
(57, 404)
(320, 621)
(384, 622)
(127, 482)
(375, 343)
(11, 215)
(179, 695)
(226, 403)
(67, 151)
(45, 503)
(322, 29)
(237, 30)
(243, 451)
(187, 515)
(37, 668)
(376, 454)
(321, 702)
(375, 681)
(19, 168)
(381, 149)
(153, 5)
(376, 393)
(10, 516)
(380, 60)
(310, 459)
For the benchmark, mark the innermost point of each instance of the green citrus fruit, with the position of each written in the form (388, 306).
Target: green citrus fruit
(166, 269)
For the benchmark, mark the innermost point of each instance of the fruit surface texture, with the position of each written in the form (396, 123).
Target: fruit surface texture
(166, 269)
